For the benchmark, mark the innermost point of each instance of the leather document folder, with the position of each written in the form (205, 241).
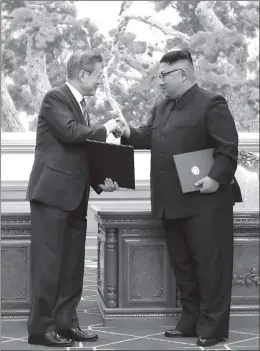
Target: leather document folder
(193, 166)
(110, 161)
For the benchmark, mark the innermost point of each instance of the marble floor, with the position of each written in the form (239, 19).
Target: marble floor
(244, 330)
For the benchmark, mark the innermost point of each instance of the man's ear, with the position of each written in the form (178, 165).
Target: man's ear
(184, 75)
(81, 74)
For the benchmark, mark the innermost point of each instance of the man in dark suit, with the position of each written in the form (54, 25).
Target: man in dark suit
(58, 192)
(198, 226)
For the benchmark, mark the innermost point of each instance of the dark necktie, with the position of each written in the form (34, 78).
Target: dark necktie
(84, 111)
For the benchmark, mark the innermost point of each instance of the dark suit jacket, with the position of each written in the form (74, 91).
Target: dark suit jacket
(60, 171)
(198, 120)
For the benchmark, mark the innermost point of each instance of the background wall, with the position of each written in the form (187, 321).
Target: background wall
(18, 154)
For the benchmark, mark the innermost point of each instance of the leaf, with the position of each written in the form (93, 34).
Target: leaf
(161, 5)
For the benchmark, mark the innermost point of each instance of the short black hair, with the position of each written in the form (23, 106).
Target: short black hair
(176, 55)
(82, 60)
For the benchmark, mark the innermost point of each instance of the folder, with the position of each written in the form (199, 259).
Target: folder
(110, 161)
(193, 166)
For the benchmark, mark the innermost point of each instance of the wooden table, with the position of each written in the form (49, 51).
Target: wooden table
(135, 280)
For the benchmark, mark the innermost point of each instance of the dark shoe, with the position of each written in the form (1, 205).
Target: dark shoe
(50, 339)
(177, 334)
(76, 334)
(208, 342)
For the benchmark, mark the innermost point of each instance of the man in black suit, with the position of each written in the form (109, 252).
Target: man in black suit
(58, 192)
(198, 226)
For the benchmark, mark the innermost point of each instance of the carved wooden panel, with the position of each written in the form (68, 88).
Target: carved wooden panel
(13, 226)
(249, 160)
(101, 265)
(245, 288)
(148, 278)
(245, 284)
(15, 275)
(111, 267)
(142, 285)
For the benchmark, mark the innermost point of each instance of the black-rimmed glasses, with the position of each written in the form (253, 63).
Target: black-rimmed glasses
(164, 74)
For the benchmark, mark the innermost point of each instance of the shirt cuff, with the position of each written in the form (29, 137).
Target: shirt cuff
(107, 131)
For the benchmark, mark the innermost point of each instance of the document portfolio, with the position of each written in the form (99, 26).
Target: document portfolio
(110, 161)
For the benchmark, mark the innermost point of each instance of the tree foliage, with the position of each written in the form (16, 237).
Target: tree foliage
(219, 46)
(39, 36)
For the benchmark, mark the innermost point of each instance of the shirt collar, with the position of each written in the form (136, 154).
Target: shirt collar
(186, 94)
(184, 98)
(77, 95)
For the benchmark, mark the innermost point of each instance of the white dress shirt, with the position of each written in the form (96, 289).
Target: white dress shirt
(78, 96)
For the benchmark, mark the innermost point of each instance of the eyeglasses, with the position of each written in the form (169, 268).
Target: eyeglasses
(164, 74)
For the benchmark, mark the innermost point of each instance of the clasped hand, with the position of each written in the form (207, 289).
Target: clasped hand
(208, 185)
(109, 185)
(118, 127)
(123, 128)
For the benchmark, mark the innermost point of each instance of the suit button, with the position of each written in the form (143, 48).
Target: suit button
(162, 153)
(162, 170)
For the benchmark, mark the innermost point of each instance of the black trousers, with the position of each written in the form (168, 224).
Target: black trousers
(57, 266)
(201, 254)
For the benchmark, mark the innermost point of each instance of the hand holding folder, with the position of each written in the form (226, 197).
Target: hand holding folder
(110, 161)
(193, 169)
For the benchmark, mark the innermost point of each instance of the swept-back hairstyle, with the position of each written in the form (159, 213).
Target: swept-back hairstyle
(176, 55)
(82, 60)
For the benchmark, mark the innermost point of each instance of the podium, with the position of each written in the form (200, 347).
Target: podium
(134, 279)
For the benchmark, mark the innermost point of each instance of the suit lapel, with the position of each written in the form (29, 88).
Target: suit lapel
(74, 103)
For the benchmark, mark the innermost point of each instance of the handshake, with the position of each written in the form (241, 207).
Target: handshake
(118, 127)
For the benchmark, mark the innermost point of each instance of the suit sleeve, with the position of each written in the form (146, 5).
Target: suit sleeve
(222, 129)
(61, 121)
(140, 138)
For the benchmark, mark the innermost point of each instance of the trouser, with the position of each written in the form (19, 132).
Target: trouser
(201, 254)
(57, 266)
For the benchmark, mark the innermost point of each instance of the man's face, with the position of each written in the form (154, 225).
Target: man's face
(171, 77)
(91, 80)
